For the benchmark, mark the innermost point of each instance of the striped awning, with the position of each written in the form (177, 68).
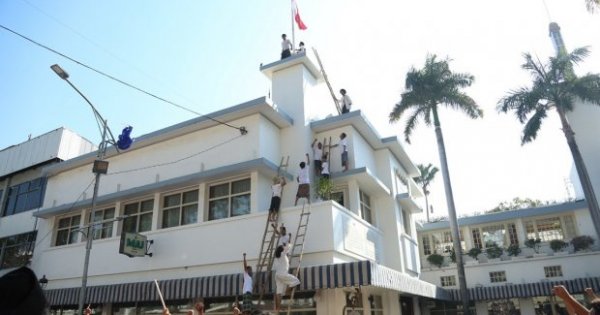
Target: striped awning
(317, 277)
(526, 290)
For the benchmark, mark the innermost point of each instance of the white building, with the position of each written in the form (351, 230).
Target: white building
(22, 189)
(518, 284)
(200, 190)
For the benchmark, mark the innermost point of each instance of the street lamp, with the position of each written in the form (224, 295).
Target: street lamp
(100, 167)
(43, 282)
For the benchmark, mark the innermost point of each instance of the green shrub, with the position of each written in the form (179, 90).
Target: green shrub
(494, 251)
(534, 243)
(558, 245)
(324, 188)
(582, 242)
(513, 250)
(474, 252)
(436, 260)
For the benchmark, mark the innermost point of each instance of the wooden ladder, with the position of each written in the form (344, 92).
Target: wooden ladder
(269, 240)
(298, 248)
(335, 100)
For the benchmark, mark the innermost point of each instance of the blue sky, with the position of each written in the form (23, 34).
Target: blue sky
(205, 55)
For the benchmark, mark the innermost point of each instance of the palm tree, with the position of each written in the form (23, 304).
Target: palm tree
(427, 175)
(426, 90)
(555, 86)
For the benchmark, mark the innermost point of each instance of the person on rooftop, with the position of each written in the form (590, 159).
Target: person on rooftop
(286, 47)
(345, 101)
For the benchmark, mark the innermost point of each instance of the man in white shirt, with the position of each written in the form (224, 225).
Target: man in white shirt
(247, 287)
(345, 102)
(286, 47)
(317, 148)
(344, 144)
(303, 180)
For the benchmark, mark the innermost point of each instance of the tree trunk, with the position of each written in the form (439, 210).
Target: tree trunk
(462, 281)
(584, 178)
(426, 206)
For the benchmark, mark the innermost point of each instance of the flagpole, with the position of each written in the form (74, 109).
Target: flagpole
(293, 32)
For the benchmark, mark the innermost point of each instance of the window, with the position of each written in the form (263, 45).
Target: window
(553, 271)
(448, 281)
(365, 207)
(441, 242)
(229, 199)
(549, 229)
(105, 229)
(16, 250)
(338, 196)
(25, 196)
(476, 238)
(67, 231)
(497, 276)
(140, 216)
(406, 222)
(426, 245)
(508, 306)
(376, 303)
(180, 209)
(512, 234)
(493, 234)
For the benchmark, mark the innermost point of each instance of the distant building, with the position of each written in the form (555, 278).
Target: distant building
(22, 189)
(518, 284)
(200, 190)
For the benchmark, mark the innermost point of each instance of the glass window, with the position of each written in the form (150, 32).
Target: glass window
(139, 216)
(406, 222)
(512, 234)
(16, 250)
(365, 207)
(448, 281)
(476, 238)
(103, 230)
(229, 199)
(426, 245)
(504, 307)
(338, 196)
(178, 209)
(553, 271)
(67, 231)
(548, 229)
(376, 303)
(25, 196)
(493, 234)
(497, 276)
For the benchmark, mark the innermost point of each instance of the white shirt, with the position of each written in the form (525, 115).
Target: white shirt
(247, 283)
(325, 167)
(286, 44)
(284, 240)
(303, 177)
(281, 265)
(346, 101)
(344, 144)
(317, 153)
(276, 190)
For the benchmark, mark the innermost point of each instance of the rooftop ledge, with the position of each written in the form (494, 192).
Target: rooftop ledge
(296, 59)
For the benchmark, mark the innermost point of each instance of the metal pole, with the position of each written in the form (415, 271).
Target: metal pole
(90, 228)
(293, 32)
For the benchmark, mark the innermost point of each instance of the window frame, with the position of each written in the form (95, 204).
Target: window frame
(26, 241)
(71, 228)
(137, 216)
(179, 207)
(20, 197)
(554, 271)
(230, 196)
(568, 227)
(366, 212)
(497, 276)
(106, 229)
(448, 281)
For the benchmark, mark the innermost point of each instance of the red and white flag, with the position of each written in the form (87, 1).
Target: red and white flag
(296, 14)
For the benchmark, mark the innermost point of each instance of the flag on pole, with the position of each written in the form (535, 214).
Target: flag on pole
(297, 18)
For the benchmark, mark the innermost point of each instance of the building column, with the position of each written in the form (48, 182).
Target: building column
(4, 196)
(521, 233)
(156, 212)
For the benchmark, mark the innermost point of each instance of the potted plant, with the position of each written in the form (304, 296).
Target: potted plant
(513, 250)
(534, 243)
(582, 242)
(474, 252)
(436, 260)
(493, 251)
(558, 245)
(324, 188)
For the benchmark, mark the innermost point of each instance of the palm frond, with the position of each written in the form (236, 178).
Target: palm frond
(533, 125)
(465, 103)
(411, 123)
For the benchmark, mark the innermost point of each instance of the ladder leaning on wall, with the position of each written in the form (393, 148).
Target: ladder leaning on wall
(298, 248)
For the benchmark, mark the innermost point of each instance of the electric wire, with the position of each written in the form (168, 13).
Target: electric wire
(178, 160)
(119, 80)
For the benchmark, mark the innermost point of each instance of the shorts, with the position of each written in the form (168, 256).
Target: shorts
(318, 165)
(303, 191)
(275, 204)
(344, 157)
(247, 301)
(326, 176)
(283, 281)
(285, 53)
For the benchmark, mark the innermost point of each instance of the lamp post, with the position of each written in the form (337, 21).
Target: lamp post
(43, 282)
(100, 167)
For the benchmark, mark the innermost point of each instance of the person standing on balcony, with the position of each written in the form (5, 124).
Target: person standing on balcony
(286, 47)
(317, 148)
(247, 287)
(303, 180)
(345, 101)
(277, 188)
(344, 144)
(325, 167)
(283, 280)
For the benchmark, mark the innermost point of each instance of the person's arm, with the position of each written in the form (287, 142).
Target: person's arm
(307, 159)
(313, 143)
(573, 306)
(245, 264)
(282, 181)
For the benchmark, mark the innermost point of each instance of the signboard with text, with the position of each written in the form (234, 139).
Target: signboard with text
(133, 245)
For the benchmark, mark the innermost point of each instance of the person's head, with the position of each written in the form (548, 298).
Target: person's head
(343, 92)
(249, 270)
(343, 135)
(276, 180)
(302, 164)
(283, 36)
(301, 44)
(319, 145)
(199, 306)
(278, 251)
(282, 230)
